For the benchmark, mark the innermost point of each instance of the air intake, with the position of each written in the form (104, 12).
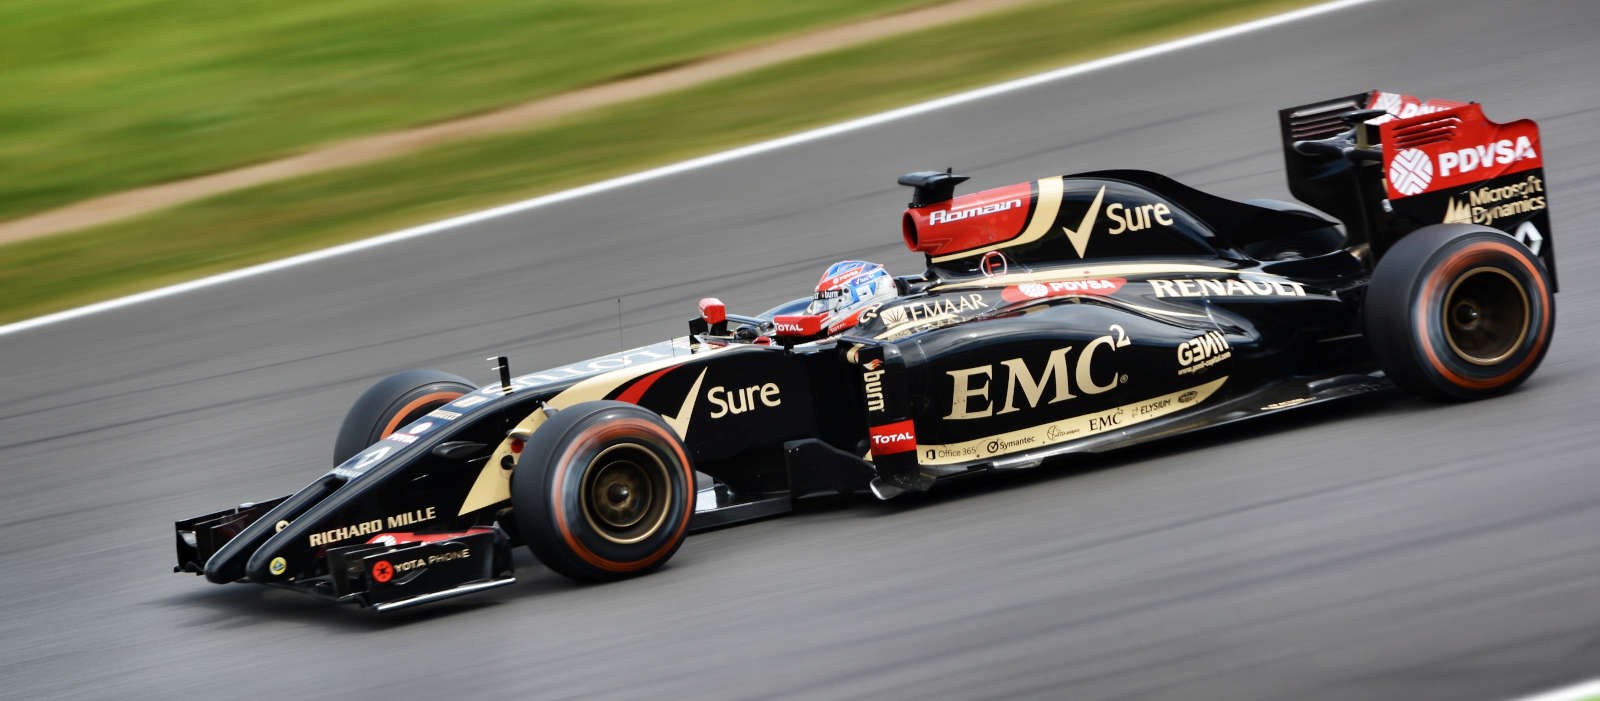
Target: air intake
(931, 186)
(1432, 131)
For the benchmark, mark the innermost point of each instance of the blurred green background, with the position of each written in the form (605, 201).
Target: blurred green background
(431, 61)
(108, 95)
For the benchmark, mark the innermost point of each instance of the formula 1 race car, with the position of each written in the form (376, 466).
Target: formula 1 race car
(1070, 314)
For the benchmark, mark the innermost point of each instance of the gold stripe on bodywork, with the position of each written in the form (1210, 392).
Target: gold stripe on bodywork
(1159, 311)
(1066, 429)
(493, 484)
(599, 386)
(1080, 273)
(1044, 219)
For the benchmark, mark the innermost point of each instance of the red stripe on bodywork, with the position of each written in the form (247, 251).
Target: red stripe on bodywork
(402, 538)
(632, 394)
(1059, 288)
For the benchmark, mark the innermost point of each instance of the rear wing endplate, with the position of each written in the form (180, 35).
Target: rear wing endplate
(1386, 164)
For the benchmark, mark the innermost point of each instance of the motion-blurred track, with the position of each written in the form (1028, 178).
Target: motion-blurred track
(1383, 549)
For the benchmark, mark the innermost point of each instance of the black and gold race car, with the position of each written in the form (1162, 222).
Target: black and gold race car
(1070, 314)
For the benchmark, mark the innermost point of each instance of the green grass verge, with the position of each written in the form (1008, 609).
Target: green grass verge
(271, 221)
(99, 97)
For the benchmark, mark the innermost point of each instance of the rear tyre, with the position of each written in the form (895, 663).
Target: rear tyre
(1459, 312)
(393, 402)
(603, 491)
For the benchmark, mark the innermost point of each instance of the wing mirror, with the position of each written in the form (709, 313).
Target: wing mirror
(715, 315)
(798, 325)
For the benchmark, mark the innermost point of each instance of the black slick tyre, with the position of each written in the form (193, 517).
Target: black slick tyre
(1459, 312)
(603, 491)
(393, 402)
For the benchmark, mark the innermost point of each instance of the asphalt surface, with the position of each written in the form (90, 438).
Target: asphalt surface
(1381, 549)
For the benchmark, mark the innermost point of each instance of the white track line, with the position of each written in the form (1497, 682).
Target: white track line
(692, 164)
(1577, 692)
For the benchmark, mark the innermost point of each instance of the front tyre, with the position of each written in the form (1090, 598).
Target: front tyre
(603, 491)
(393, 402)
(1459, 312)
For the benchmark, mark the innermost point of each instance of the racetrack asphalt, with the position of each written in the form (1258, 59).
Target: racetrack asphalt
(1383, 548)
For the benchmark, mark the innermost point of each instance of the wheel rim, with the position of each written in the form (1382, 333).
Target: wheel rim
(1486, 316)
(625, 493)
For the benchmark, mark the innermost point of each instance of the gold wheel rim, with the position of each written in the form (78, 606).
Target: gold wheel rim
(625, 493)
(1486, 316)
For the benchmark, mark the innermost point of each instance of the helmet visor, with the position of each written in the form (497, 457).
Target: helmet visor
(829, 301)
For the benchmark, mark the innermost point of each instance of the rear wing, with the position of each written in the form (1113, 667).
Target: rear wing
(1387, 164)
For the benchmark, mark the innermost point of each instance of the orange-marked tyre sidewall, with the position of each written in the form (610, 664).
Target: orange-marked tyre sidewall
(1427, 316)
(428, 401)
(391, 403)
(552, 516)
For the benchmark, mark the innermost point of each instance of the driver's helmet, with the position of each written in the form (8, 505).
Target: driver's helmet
(850, 286)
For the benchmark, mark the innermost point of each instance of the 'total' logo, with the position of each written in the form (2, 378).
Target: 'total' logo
(889, 439)
(382, 571)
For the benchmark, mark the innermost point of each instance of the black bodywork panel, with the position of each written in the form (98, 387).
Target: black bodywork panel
(1162, 319)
